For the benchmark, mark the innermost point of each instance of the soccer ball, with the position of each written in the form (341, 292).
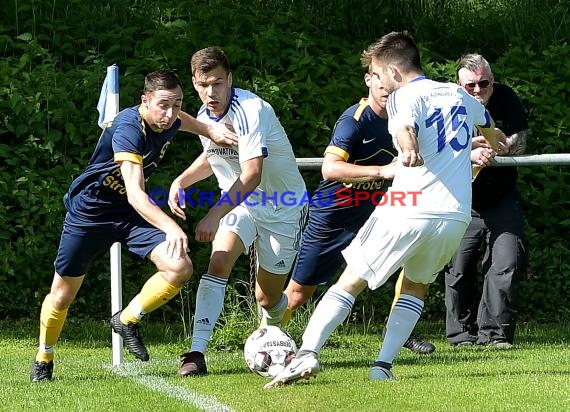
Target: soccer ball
(268, 350)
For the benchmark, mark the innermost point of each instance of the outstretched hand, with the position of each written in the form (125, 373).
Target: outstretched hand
(411, 158)
(502, 143)
(482, 156)
(223, 134)
(177, 242)
(177, 200)
(409, 148)
(207, 228)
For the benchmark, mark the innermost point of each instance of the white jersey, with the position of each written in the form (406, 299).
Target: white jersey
(259, 134)
(444, 116)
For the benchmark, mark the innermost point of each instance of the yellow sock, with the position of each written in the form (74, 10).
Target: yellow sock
(398, 288)
(51, 323)
(286, 317)
(155, 293)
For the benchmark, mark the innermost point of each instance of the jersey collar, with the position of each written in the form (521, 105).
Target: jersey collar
(422, 77)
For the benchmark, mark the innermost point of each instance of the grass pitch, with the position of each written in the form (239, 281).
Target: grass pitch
(533, 376)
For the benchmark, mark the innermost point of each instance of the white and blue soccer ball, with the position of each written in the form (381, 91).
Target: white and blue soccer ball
(268, 350)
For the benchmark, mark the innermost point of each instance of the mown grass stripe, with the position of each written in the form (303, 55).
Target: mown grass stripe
(135, 372)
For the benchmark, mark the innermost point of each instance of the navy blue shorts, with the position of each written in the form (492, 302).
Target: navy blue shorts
(82, 243)
(320, 256)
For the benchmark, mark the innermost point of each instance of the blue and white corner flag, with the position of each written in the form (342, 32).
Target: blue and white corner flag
(108, 105)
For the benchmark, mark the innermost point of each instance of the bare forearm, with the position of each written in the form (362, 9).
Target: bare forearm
(193, 175)
(221, 134)
(409, 147)
(200, 169)
(351, 173)
(190, 124)
(245, 184)
(146, 206)
(406, 138)
(517, 143)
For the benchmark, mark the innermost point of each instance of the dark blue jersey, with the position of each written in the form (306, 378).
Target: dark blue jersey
(100, 189)
(360, 137)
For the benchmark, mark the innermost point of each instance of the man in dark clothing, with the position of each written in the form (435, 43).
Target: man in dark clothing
(488, 317)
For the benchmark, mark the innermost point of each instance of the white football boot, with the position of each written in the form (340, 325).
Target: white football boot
(302, 367)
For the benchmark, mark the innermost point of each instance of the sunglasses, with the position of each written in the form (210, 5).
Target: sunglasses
(483, 84)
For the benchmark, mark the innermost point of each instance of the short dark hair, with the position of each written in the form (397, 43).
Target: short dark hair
(161, 80)
(398, 48)
(208, 59)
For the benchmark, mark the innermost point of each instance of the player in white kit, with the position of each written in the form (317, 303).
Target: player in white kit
(260, 203)
(431, 124)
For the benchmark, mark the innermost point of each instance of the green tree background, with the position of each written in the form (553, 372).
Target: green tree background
(303, 57)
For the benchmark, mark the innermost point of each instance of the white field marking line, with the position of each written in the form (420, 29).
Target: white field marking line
(135, 372)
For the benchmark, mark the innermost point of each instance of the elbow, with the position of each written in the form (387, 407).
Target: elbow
(328, 172)
(132, 200)
(135, 200)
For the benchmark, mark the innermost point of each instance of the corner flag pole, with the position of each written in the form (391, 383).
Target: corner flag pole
(116, 300)
(108, 107)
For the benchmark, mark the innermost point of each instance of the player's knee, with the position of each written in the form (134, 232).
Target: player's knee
(263, 300)
(61, 299)
(267, 299)
(298, 294)
(297, 299)
(419, 290)
(63, 291)
(180, 271)
(296, 303)
(219, 264)
(185, 271)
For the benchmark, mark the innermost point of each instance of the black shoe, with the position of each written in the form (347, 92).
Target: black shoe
(419, 345)
(193, 364)
(131, 336)
(464, 343)
(41, 371)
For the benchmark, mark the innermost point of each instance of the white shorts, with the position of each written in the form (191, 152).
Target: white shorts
(275, 233)
(421, 246)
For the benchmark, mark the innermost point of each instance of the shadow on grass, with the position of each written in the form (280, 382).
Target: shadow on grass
(446, 354)
(493, 374)
(97, 333)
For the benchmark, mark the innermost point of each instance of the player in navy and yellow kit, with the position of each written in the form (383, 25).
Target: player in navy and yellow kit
(107, 203)
(359, 159)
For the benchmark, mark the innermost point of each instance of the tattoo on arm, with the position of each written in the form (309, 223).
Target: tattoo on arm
(517, 142)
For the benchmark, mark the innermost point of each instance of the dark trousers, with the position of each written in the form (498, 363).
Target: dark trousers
(489, 313)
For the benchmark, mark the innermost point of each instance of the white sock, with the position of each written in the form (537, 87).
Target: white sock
(332, 310)
(401, 323)
(274, 315)
(45, 349)
(136, 308)
(209, 304)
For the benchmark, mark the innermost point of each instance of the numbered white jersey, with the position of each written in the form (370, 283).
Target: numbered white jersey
(259, 134)
(444, 116)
